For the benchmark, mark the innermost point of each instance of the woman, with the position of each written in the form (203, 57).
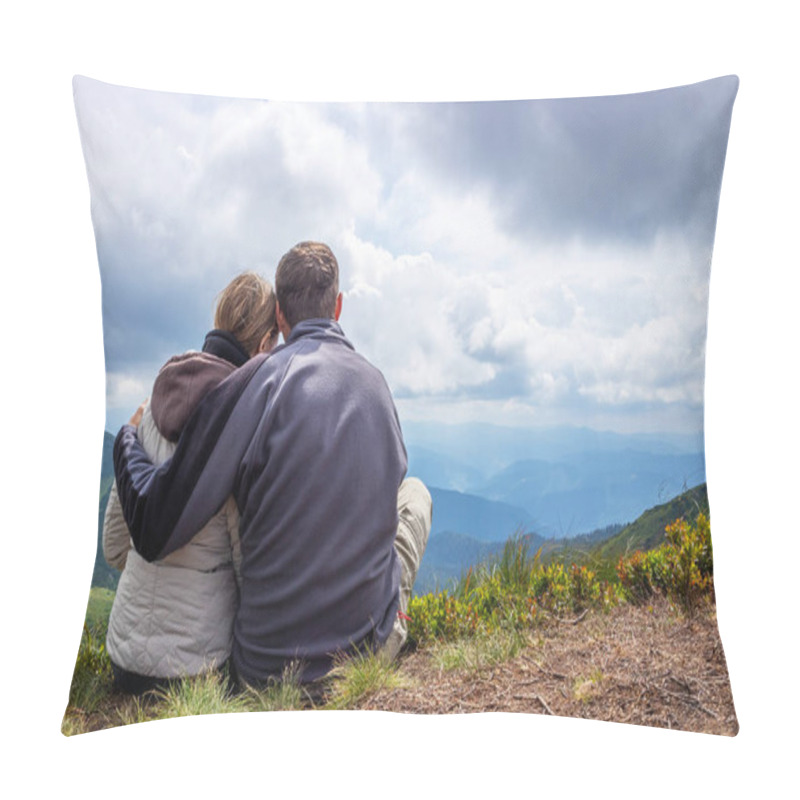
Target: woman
(174, 617)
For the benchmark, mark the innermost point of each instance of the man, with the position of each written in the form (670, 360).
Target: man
(308, 441)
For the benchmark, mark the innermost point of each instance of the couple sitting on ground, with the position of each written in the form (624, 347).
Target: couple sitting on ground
(260, 513)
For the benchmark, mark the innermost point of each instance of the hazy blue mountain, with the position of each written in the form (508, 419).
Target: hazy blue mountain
(569, 480)
(490, 482)
(587, 491)
(485, 520)
(447, 556)
(491, 448)
(437, 469)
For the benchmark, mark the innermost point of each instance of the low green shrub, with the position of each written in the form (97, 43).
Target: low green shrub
(690, 562)
(507, 594)
(440, 615)
(681, 569)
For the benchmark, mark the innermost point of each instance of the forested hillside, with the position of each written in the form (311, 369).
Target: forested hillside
(103, 574)
(647, 531)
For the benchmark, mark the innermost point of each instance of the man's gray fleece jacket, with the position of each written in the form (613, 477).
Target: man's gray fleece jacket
(308, 441)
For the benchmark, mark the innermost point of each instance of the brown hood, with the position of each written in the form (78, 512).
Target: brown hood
(181, 384)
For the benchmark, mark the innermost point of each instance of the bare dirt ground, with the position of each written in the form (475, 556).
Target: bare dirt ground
(637, 665)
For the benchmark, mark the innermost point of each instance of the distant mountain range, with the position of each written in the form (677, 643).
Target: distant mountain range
(489, 448)
(560, 481)
(485, 520)
(449, 555)
(489, 483)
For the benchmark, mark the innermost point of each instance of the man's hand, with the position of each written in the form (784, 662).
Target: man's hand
(137, 416)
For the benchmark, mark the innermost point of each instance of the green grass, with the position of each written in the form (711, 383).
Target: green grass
(486, 650)
(285, 694)
(98, 609)
(209, 693)
(488, 619)
(135, 710)
(91, 679)
(583, 687)
(356, 677)
(202, 694)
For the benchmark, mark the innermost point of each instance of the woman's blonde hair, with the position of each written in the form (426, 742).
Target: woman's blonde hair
(246, 309)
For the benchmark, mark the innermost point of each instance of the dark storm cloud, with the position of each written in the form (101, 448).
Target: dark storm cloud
(601, 169)
(146, 322)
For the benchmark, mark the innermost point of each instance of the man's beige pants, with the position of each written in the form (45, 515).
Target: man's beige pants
(415, 510)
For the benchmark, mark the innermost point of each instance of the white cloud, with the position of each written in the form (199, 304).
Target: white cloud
(125, 392)
(434, 329)
(448, 300)
(400, 313)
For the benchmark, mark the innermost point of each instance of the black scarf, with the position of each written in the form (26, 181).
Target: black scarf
(225, 345)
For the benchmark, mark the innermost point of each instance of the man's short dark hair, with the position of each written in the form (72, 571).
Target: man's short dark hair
(307, 283)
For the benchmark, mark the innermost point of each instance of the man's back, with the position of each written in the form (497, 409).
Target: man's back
(317, 488)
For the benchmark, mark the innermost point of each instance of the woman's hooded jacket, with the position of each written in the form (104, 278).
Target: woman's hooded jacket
(174, 617)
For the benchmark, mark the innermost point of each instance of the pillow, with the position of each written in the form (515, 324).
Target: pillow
(531, 278)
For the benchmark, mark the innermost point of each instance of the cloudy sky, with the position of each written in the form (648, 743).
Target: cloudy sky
(522, 263)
